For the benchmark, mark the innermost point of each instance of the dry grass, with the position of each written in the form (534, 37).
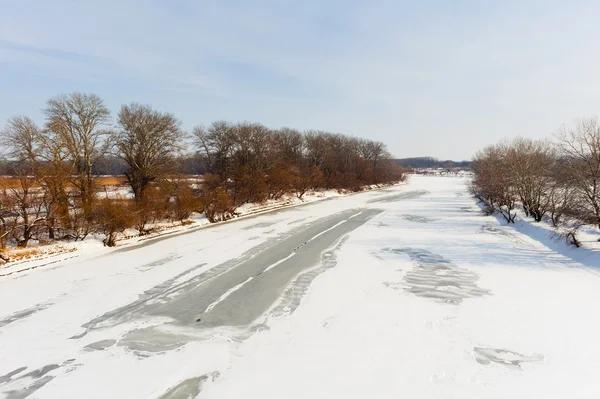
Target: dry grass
(111, 180)
(16, 255)
(19, 254)
(10, 182)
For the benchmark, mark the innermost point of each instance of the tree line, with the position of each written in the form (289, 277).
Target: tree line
(558, 179)
(110, 165)
(429, 162)
(55, 194)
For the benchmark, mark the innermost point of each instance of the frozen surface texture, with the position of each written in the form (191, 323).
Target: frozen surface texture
(403, 292)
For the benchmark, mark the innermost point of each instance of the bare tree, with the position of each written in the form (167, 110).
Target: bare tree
(147, 140)
(54, 175)
(27, 215)
(6, 213)
(493, 183)
(216, 145)
(288, 146)
(252, 144)
(580, 157)
(21, 139)
(79, 122)
(25, 145)
(316, 148)
(531, 165)
(33, 153)
(561, 194)
(374, 151)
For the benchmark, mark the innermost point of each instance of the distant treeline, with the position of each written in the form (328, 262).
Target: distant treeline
(429, 162)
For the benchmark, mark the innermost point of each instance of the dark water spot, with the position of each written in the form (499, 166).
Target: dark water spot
(38, 378)
(505, 357)
(437, 278)
(159, 262)
(189, 388)
(41, 372)
(22, 314)
(8, 377)
(29, 390)
(417, 219)
(101, 345)
(152, 340)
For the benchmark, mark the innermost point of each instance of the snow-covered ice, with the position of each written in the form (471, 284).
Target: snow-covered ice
(427, 302)
(427, 299)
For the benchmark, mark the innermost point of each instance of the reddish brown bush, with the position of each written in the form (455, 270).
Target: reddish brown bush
(281, 179)
(113, 216)
(307, 178)
(217, 205)
(249, 186)
(149, 208)
(183, 202)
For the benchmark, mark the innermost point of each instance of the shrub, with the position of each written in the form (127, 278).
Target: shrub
(280, 179)
(217, 205)
(113, 216)
(184, 202)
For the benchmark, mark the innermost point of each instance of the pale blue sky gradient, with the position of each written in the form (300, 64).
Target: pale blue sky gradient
(432, 77)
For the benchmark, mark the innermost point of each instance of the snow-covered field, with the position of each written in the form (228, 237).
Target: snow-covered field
(426, 299)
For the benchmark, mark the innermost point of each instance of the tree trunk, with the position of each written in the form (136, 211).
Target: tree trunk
(110, 241)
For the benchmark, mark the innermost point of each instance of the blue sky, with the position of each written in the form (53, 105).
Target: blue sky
(432, 77)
